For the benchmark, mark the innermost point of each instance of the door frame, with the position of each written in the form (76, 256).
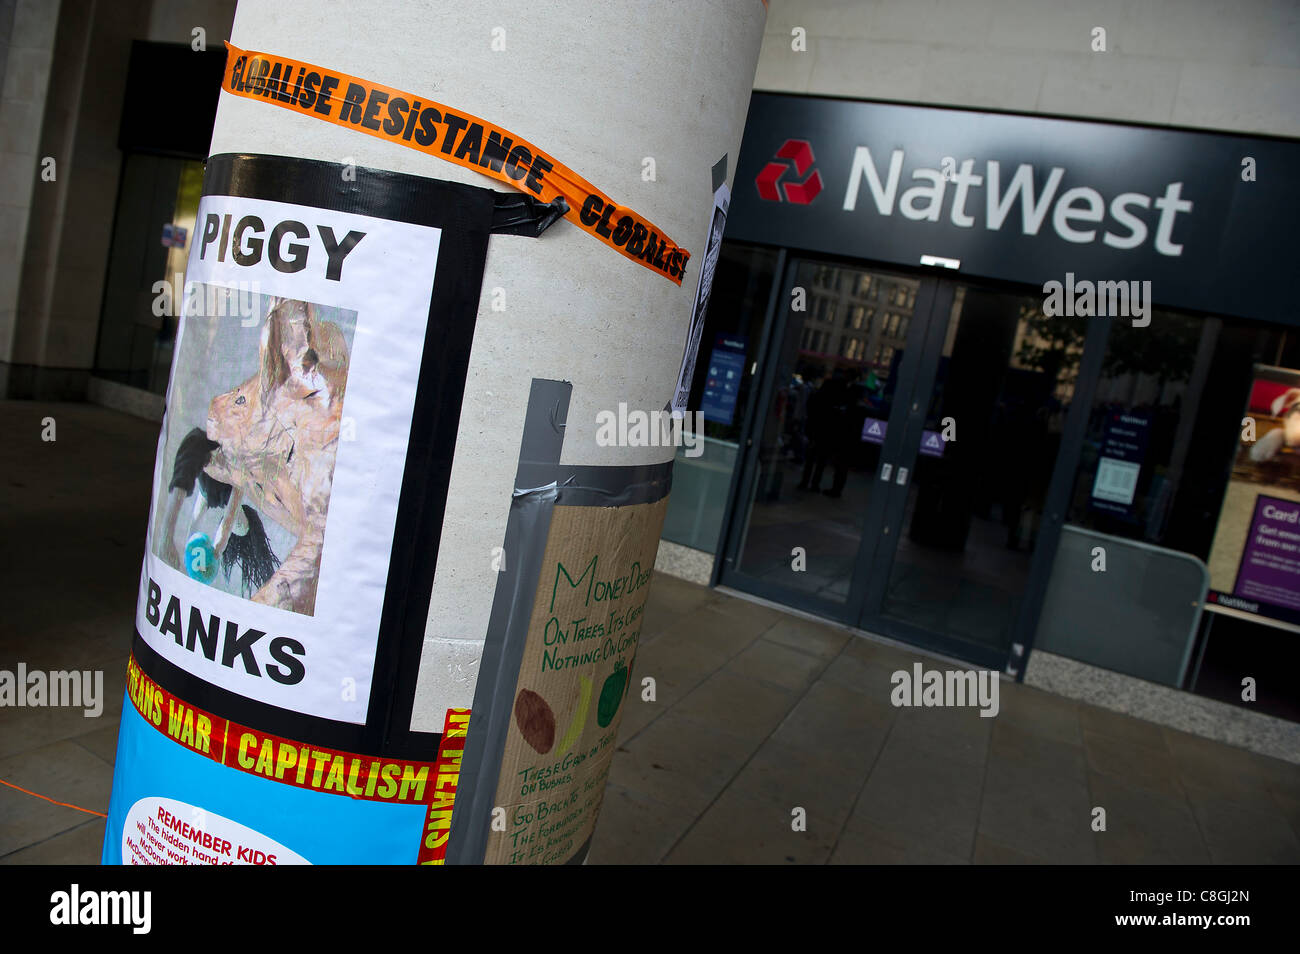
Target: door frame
(742, 491)
(883, 517)
(871, 575)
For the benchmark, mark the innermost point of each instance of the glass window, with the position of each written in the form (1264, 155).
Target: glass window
(1171, 461)
(1182, 380)
(742, 287)
(152, 233)
(817, 454)
(977, 493)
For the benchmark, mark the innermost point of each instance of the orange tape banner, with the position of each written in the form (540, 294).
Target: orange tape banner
(455, 136)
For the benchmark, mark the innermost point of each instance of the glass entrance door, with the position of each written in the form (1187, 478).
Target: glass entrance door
(898, 455)
(846, 345)
(990, 405)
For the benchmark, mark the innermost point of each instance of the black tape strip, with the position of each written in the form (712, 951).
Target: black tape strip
(580, 856)
(520, 214)
(613, 486)
(719, 172)
(345, 188)
(311, 730)
(377, 192)
(427, 474)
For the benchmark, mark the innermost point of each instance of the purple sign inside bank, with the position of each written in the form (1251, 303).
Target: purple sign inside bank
(1270, 564)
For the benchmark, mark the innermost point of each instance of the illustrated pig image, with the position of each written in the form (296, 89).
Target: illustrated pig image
(276, 437)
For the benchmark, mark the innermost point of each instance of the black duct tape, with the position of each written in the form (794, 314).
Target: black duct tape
(519, 214)
(613, 486)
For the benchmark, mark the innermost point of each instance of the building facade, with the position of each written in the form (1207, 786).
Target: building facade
(907, 429)
(930, 415)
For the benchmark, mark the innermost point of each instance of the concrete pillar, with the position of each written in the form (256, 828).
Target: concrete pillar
(548, 529)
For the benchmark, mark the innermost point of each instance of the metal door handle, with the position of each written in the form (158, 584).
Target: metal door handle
(885, 471)
(902, 476)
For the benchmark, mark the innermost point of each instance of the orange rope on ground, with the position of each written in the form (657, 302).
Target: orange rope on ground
(64, 804)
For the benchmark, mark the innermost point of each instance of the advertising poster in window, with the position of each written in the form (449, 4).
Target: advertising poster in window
(1255, 560)
(1123, 451)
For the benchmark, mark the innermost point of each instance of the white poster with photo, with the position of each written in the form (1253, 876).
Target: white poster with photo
(282, 452)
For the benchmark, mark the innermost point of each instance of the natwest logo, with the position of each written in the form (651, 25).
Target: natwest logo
(1080, 214)
(799, 152)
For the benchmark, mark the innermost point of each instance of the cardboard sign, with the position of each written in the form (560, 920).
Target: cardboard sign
(575, 679)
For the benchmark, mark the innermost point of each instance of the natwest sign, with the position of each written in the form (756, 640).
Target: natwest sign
(1025, 199)
(1080, 214)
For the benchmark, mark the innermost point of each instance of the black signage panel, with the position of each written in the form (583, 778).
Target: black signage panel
(1207, 219)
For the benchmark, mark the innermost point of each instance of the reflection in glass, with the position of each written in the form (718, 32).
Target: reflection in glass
(992, 430)
(823, 428)
(724, 374)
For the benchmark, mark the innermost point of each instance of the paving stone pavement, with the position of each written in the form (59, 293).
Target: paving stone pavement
(757, 713)
(760, 713)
